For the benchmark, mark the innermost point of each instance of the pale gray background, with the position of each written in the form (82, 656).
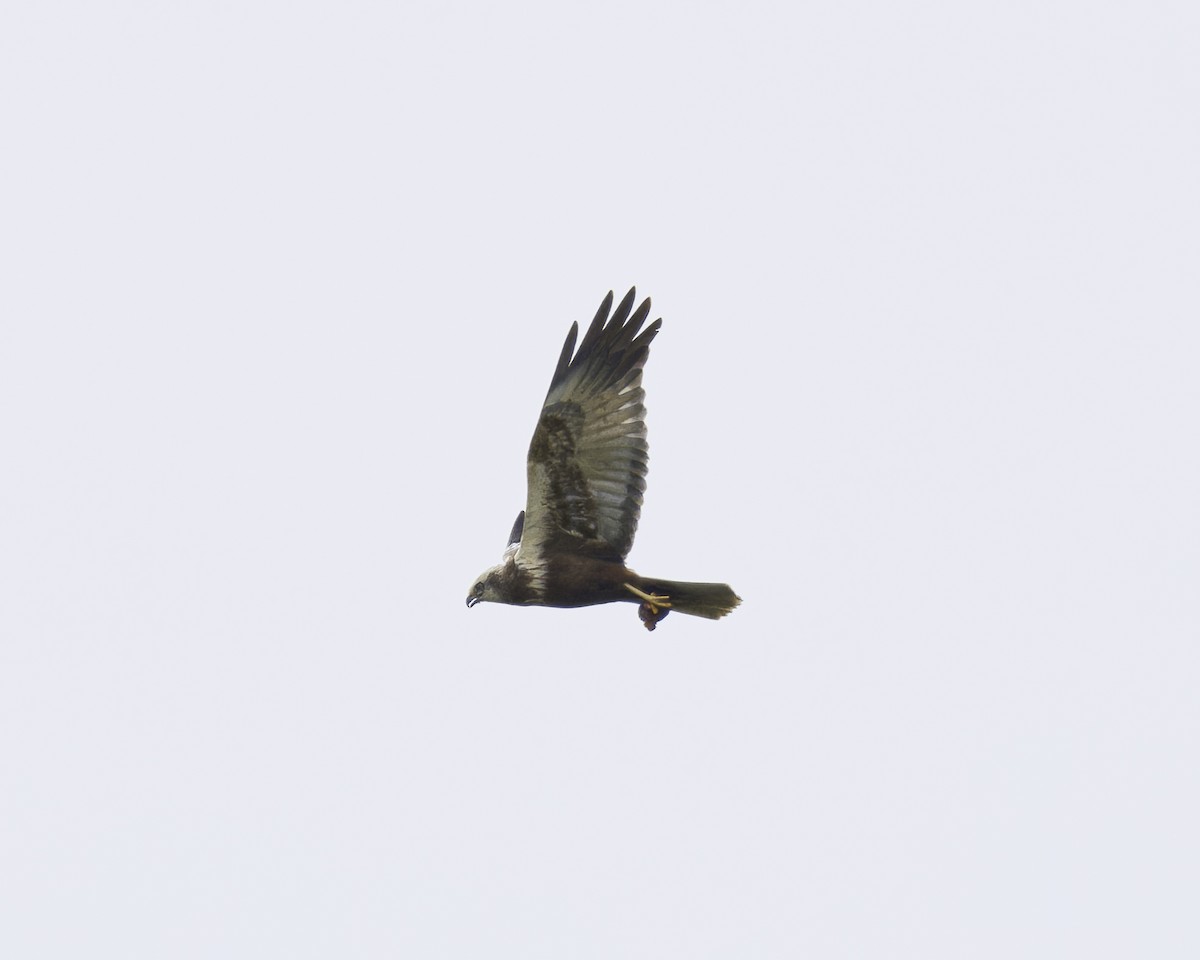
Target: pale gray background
(283, 286)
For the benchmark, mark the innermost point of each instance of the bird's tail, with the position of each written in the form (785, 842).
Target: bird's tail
(711, 600)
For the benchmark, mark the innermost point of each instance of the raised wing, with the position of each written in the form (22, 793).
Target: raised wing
(587, 461)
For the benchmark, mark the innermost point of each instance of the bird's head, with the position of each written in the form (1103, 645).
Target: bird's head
(487, 586)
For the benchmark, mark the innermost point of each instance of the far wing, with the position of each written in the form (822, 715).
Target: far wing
(514, 538)
(587, 461)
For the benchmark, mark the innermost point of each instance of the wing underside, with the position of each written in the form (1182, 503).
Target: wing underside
(587, 460)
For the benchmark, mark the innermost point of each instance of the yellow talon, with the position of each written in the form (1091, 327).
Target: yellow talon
(653, 599)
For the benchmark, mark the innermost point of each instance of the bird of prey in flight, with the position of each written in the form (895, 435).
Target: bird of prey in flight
(586, 473)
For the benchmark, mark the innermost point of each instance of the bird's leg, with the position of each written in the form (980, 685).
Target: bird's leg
(652, 600)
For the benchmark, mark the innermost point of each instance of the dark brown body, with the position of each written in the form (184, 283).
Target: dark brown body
(573, 580)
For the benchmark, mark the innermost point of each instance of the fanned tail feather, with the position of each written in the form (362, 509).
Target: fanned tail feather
(710, 600)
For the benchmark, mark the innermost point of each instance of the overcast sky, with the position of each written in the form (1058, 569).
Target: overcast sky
(283, 287)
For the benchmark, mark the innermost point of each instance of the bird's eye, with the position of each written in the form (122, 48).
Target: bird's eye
(479, 587)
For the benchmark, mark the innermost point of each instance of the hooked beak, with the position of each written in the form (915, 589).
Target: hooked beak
(471, 601)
